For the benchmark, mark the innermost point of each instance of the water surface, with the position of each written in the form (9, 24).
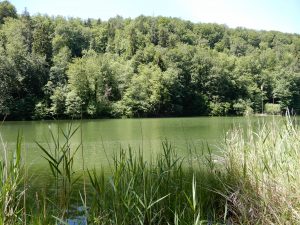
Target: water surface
(104, 137)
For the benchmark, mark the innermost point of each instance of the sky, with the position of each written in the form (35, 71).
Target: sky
(280, 15)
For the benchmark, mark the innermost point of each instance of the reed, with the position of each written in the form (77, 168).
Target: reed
(159, 191)
(60, 160)
(11, 191)
(262, 166)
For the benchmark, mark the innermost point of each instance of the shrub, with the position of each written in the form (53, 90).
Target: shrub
(41, 111)
(73, 105)
(242, 107)
(219, 108)
(271, 108)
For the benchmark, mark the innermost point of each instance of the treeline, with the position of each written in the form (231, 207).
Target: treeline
(53, 67)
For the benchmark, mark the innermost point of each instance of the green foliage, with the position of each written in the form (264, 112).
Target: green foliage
(58, 101)
(148, 66)
(219, 108)
(42, 38)
(40, 111)
(73, 105)
(93, 79)
(272, 108)
(30, 72)
(242, 107)
(57, 73)
(140, 103)
(7, 76)
(7, 10)
(212, 33)
(71, 34)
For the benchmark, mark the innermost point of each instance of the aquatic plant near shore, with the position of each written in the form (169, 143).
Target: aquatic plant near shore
(156, 191)
(11, 191)
(60, 160)
(262, 166)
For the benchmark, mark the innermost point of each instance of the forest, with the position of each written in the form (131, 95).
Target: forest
(56, 67)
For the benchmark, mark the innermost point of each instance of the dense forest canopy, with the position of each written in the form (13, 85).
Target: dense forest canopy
(53, 67)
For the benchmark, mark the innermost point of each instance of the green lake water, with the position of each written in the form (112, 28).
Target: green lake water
(104, 137)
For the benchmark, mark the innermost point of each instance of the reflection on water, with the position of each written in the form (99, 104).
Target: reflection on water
(103, 138)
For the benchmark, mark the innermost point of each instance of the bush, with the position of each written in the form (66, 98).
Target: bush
(219, 108)
(41, 111)
(73, 105)
(58, 101)
(242, 107)
(271, 108)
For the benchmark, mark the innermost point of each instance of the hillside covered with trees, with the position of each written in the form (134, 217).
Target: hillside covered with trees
(53, 67)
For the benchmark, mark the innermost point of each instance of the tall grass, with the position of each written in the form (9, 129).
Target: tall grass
(60, 160)
(11, 192)
(263, 169)
(158, 191)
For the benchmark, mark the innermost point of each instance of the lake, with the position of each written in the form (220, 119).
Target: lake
(104, 137)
